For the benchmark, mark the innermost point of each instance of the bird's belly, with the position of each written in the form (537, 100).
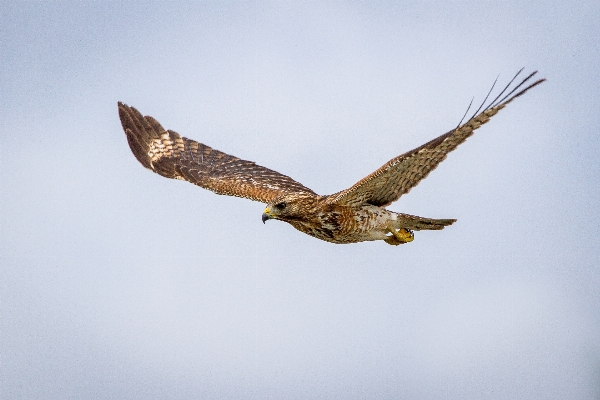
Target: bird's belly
(351, 226)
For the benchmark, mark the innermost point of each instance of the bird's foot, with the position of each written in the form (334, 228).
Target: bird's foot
(400, 236)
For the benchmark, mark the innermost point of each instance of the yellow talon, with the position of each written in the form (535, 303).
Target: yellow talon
(400, 236)
(406, 234)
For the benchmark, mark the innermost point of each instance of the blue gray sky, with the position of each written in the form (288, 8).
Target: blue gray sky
(118, 283)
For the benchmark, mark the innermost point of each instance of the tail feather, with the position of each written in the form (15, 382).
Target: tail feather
(417, 223)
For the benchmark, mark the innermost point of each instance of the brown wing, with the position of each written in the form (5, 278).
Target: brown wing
(404, 172)
(172, 156)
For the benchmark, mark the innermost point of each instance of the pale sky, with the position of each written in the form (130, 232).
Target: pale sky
(117, 283)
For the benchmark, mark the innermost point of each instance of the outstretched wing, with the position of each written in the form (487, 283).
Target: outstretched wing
(172, 156)
(404, 172)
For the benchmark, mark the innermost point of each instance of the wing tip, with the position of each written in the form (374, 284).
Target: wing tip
(510, 96)
(138, 131)
(122, 107)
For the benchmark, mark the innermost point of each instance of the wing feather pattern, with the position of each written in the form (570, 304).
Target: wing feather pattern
(400, 174)
(173, 156)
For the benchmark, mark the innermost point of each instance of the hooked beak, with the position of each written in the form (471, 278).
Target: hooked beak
(266, 215)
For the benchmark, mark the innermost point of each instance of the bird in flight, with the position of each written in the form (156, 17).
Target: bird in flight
(353, 215)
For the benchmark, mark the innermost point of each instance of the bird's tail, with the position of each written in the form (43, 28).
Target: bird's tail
(416, 223)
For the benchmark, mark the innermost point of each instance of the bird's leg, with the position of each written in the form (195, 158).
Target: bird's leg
(400, 236)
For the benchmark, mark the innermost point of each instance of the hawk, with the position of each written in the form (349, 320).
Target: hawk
(353, 215)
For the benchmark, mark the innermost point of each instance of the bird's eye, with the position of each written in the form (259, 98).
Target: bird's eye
(280, 206)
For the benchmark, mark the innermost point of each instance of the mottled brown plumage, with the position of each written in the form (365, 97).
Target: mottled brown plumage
(353, 215)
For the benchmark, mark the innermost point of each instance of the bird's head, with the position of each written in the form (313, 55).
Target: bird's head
(287, 208)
